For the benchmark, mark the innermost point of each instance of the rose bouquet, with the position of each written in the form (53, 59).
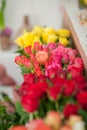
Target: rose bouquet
(54, 87)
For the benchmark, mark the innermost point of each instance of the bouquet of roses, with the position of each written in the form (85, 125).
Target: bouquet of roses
(54, 85)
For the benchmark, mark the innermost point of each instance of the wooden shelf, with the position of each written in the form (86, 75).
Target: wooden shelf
(78, 32)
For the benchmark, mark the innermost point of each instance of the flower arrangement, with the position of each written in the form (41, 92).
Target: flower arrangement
(53, 95)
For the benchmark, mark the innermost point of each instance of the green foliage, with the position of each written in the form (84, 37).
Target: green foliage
(24, 117)
(20, 51)
(7, 119)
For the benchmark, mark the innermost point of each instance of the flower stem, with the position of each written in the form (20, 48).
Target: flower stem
(56, 105)
(36, 115)
(30, 116)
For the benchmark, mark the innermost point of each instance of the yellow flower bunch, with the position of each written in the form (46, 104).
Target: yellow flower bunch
(44, 35)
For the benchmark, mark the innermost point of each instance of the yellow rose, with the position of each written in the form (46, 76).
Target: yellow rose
(37, 30)
(49, 30)
(28, 39)
(63, 33)
(20, 42)
(45, 37)
(52, 38)
(63, 41)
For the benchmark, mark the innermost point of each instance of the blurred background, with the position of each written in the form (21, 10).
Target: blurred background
(41, 12)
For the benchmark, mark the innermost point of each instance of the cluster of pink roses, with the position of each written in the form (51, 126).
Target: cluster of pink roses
(54, 74)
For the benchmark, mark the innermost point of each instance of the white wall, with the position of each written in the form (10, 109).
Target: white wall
(41, 12)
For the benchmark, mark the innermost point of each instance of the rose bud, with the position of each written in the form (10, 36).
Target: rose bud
(53, 119)
(66, 128)
(32, 125)
(74, 119)
(37, 124)
(43, 126)
(21, 127)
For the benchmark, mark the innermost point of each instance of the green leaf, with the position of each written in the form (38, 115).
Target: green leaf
(20, 51)
(19, 108)
(83, 114)
(6, 97)
(2, 21)
(25, 70)
(17, 87)
(24, 117)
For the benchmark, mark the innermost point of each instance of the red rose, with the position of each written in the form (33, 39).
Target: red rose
(27, 50)
(69, 88)
(82, 99)
(80, 83)
(37, 68)
(74, 71)
(70, 109)
(29, 78)
(29, 104)
(37, 90)
(42, 78)
(58, 81)
(54, 92)
(22, 89)
(36, 46)
(18, 60)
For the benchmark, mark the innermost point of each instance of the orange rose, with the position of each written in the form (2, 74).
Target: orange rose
(41, 57)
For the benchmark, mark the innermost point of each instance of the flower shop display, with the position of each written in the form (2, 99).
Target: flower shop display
(53, 95)
(54, 87)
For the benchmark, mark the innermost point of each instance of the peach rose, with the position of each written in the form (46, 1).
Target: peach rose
(41, 57)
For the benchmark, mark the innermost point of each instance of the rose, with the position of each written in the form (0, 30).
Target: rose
(41, 57)
(30, 104)
(53, 119)
(80, 83)
(78, 62)
(23, 60)
(54, 92)
(70, 109)
(82, 99)
(71, 54)
(29, 78)
(53, 69)
(69, 88)
(32, 125)
(51, 46)
(20, 127)
(74, 71)
(36, 90)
